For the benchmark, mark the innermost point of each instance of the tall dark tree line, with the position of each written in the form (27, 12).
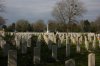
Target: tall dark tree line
(40, 26)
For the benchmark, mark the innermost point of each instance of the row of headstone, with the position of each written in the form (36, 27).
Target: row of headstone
(73, 36)
(90, 38)
(12, 58)
(27, 43)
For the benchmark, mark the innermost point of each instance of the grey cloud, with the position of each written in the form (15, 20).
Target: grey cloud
(41, 9)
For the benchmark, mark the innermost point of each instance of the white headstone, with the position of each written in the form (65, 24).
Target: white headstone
(67, 47)
(94, 42)
(24, 46)
(78, 49)
(54, 39)
(38, 43)
(50, 45)
(91, 59)
(2, 43)
(70, 62)
(54, 51)
(86, 43)
(59, 43)
(12, 58)
(6, 49)
(46, 38)
(17, 40)
(29, 42)
(36, 58)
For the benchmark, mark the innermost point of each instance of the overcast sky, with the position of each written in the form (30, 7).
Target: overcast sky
(33, 10)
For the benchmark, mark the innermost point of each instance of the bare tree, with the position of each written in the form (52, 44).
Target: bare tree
(67, 11)
(97, 23)
(2, 21)
(39, 26)
(1, 6)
